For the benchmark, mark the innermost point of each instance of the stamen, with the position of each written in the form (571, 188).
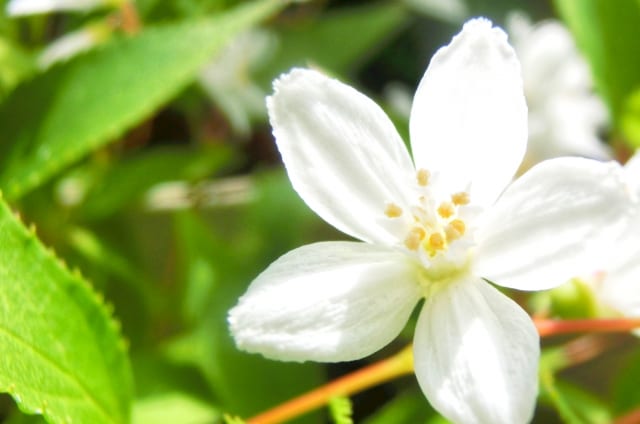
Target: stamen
(392, 210)
(414, 238)
(423, 177)
(436, 241)
(461, 198)
(458, 225)
(446, 209)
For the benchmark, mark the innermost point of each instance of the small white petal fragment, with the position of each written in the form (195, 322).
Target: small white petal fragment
(618, 285)
(469, 117)
(342, 153)
(553, 223)
(632, 169)
(329, 302)
(74, 43)
(476, 355)
(30, 7)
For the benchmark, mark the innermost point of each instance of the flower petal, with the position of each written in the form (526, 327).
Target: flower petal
(619, 285)
(332, 301)
(556, 222)
(476, 355)
(469, 116)
(29, 7)
(342, 153)
(632, 168)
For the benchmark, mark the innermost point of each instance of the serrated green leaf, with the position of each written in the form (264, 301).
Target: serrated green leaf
(62, 355)
(608, 32)
(61, 115)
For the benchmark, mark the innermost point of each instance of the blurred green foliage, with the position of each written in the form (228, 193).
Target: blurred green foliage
(134, 176)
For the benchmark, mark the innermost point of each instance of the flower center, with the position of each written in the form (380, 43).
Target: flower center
(434, 224)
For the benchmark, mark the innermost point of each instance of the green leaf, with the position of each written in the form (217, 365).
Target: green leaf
(62, 355)
(574, 299)
(626, 396)
(230, 419)
(61, 115)
(573, 403)
(341, 410)
(314, 42)
(15, 65)
(608, 32)
(212, 266)
(407, 408)
(171, 408)
(127, 180)
(630, 119)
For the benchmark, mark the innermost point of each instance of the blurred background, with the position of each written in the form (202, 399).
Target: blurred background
(135, 137)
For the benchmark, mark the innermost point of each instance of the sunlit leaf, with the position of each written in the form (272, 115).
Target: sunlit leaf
(60, 116)
(341, 410)
(62, 355)
(607, 33)
(171, 408)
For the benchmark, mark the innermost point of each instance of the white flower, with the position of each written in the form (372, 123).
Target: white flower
(74, 43)
(434, 230)
(228, 82)
(30, 7)
(565, 114)
(617, 288)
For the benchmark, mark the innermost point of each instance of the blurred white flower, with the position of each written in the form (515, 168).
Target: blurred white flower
(74, 43)
(30, 7)
(617, 288)
(228, 81)
(565, 115)
(438, 230)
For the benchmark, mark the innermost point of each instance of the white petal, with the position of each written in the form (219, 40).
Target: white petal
(332, 301)
(29, 7)
(72, 44)
(556, 222)
(632, 168)
(343, 155)
(469, 117)
(619, 284)
(476, 355)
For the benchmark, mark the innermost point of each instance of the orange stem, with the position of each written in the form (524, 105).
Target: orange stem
(398, 365)
(551, 327)
(402, 364)
(130, 20)
(632, 417)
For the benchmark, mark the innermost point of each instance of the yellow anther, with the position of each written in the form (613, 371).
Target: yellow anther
(436, 241)
(461, 198)
(458, 226)
(451, 234)
(392, 210)
(446, 209)
(423, 177)
(414, 238)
